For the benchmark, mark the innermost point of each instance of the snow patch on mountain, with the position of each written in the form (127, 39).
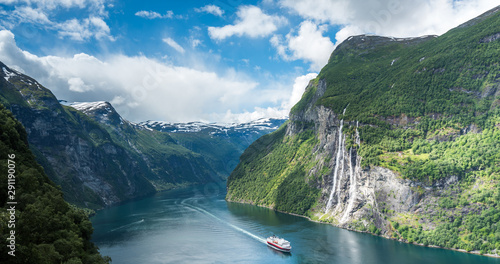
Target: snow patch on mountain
(8, 74)
(91, 106)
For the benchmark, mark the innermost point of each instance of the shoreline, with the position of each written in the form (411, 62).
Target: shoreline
(366, 232)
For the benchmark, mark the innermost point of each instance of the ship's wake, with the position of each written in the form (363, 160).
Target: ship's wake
(127, 225)
(205, 212)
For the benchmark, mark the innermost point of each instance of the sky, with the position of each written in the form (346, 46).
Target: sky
(213, 61)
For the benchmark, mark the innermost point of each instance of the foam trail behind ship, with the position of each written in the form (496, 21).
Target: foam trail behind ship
(260, 239)
(127, 225)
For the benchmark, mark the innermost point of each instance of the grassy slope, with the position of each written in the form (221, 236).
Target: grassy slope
(279, 170)
(442, 86)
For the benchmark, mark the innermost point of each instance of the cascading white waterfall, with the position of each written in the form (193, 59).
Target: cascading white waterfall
(341, 175)
(352, 178)
(340, 153)
(337, 161)
(358, 140)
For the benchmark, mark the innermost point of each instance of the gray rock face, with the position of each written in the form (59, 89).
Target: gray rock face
(90, 174)
(351, 196)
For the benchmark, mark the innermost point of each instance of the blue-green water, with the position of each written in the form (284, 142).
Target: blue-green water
(196, 225)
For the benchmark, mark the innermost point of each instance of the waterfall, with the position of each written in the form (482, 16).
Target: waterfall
(340, 152)
(352, 178)
(358, 140)
(342, 148)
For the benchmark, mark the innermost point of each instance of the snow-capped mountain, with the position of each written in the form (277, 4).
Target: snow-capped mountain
(102, 111)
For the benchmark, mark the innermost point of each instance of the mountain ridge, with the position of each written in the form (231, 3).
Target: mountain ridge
(394, 138)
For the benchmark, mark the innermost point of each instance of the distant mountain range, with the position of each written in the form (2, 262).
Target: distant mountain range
(263, 124)
(100, 159)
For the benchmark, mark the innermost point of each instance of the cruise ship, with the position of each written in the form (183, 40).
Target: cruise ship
(279, 243)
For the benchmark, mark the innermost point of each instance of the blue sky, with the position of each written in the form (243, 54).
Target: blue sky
(179, 61)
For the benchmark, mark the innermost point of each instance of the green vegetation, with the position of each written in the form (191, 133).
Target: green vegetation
(440, 75)
(472, 152)
(430, 160)
(467, 221)
(48, 230)
(271, 172)
(306, 98)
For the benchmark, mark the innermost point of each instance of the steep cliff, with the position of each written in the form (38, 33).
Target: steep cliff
(397, 137)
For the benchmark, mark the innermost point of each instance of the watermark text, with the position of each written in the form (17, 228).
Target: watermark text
(11, 204)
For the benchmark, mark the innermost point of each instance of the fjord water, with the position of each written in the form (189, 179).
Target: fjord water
(196, 225)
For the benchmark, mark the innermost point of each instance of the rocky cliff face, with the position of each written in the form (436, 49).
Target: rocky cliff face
(351, 196)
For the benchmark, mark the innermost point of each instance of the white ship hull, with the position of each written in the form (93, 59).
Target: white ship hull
(279, 244)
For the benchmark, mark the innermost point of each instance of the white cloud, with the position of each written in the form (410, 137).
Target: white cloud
(117, 100)
(26, 14)
(142, 89)
(251, 22)
(174, 45)
(288, 99)
(211, 9)
(299, 87)
(77, 85)
(309, 44)
(346, 32)
(96, 6)
(277, 42)
(139, 87)
(42, 13)
(81, 30)
(195, 42)
(50, 4)
(398, 18)
(154, 15)
(246, 116)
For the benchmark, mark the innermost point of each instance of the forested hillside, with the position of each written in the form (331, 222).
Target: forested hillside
(46, 228)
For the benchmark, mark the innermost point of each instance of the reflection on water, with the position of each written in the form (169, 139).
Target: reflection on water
(279, 254)
(186, 226)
